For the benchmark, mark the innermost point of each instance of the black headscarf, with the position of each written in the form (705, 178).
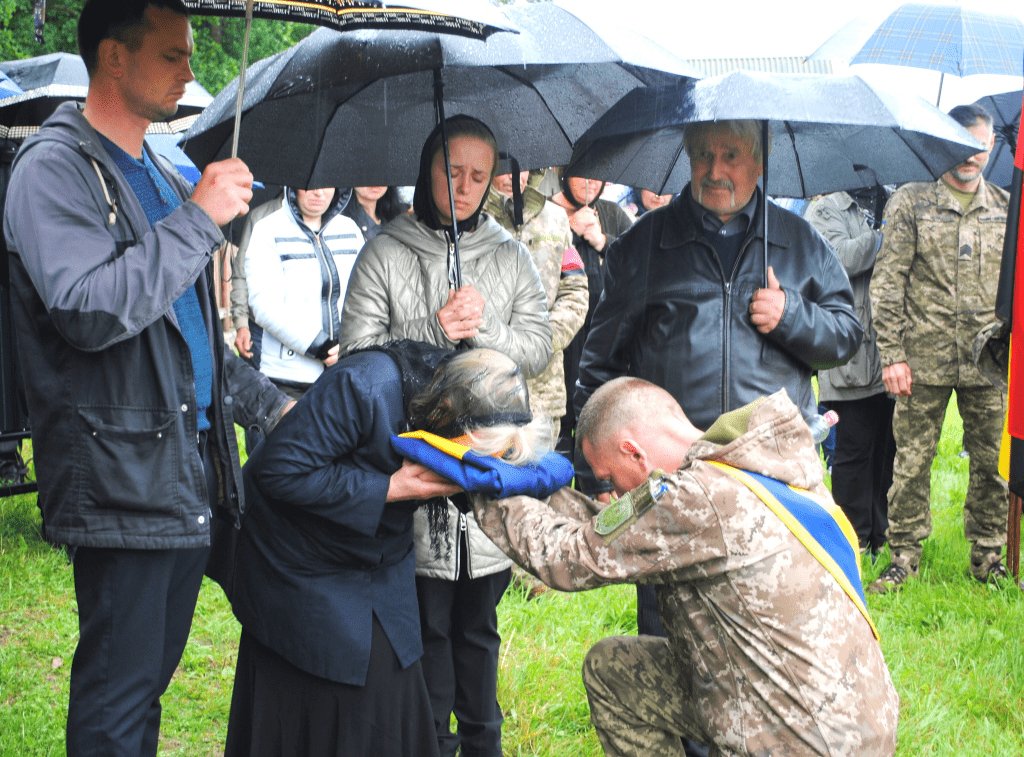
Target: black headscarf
(423, 198)
(563, 182)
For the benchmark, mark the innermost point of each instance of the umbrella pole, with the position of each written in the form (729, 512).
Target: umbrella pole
(764, 194)
(939, 96)
(439, 108)
(241, 77)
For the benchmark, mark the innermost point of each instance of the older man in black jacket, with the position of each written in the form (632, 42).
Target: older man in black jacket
(685, 304)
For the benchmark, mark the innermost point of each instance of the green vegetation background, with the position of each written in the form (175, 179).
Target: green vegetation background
(953, 646)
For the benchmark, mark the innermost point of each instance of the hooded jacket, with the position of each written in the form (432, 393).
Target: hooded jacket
(775, 657)
(671, 315)
(297, 279)
(111, 393)
(400, 282)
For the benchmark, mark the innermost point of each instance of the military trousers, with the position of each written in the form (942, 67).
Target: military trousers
(916, 427)
(640, 701)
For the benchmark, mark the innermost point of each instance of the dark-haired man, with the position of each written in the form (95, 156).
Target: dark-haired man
(933, 290)
(132, 400)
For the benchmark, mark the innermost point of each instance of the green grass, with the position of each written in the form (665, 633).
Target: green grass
(953, 647)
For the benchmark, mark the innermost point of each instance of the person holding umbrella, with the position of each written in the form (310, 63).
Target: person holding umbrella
(933, 290)
(404, 285)
(133, 399)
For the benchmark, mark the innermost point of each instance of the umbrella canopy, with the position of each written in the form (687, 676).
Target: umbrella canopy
(354, 109)
(830, 133)
(49, 80)
(1005, 109)
(8, 88)
(954, 39)
(167, 145)
(477, 20)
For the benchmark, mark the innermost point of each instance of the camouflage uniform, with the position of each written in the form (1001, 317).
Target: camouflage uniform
(546, 234)
(933, 290)
(765, 654)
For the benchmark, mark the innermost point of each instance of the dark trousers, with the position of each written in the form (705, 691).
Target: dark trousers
(459, 621)
(134, 615)
(862, 470)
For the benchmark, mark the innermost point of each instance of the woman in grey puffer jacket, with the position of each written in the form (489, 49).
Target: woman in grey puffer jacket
(403, 287)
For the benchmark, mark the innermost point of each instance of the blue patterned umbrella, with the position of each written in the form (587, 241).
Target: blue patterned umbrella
(952, 39)
(7, 87)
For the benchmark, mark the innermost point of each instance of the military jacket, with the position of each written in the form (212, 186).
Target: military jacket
(778, 659)
(935, 280)
(546, 234)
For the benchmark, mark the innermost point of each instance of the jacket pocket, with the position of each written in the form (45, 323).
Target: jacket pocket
(128, 459)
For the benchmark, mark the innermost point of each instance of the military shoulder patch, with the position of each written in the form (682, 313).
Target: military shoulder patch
(624, 512)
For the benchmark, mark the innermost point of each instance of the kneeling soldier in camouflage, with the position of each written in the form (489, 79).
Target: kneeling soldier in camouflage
(770, 649)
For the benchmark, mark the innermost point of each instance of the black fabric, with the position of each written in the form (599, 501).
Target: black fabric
(134, 615)
(319, 532)
(460, 659)
(417, 362)
(278, 710)
(862, 467)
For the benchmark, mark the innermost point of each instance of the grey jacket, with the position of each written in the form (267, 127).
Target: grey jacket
(844, 226)
(111, 393)
(400, 281)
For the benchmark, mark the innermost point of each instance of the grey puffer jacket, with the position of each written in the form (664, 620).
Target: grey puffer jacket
(399, 282)
(111, 392)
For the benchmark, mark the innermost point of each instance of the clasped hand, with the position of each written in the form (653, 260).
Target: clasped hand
(463, 314)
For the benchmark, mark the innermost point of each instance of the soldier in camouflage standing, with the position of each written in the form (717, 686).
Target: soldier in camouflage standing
(544, 229)
(768, 651)
(933, 290)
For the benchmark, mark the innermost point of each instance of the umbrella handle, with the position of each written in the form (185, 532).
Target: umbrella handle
(439, 109)
(241, 77)
(764, 194)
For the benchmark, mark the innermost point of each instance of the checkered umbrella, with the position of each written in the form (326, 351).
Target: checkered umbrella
(953, 39)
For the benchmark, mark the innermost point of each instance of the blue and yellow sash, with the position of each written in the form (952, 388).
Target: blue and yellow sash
(483, 473)
(818, 523)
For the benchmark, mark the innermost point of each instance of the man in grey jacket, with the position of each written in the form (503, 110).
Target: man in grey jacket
(132, 401)
(862, 470)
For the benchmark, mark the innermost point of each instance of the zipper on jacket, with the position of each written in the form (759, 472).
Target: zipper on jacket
(463, 538)
(331, 271)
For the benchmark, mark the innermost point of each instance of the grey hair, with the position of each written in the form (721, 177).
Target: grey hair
(749, 132)
(517, 445)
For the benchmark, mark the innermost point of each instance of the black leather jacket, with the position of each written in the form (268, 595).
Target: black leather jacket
(669, 314)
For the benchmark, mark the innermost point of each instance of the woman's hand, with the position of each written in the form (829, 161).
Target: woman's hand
(414, 481)
(463, 314)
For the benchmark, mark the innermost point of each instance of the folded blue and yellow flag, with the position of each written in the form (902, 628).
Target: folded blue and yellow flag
(481, 473)
(819, 525)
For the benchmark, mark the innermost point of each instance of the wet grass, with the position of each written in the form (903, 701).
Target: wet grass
(952, 645)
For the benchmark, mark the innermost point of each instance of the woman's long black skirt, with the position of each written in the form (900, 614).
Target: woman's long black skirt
(278, 710)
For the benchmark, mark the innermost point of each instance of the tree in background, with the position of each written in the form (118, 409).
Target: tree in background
(218, 53)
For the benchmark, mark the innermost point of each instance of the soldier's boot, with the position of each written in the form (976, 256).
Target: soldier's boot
(987, 564)
(901, 569)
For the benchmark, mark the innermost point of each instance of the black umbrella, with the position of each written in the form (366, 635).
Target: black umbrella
(49, 80)
(355, 108)
(830, 133)
(1005, 110)
(476, 20)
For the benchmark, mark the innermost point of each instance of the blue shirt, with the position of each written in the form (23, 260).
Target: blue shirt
(159, 200)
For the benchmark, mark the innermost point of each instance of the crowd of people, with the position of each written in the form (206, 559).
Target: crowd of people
(663, 346)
